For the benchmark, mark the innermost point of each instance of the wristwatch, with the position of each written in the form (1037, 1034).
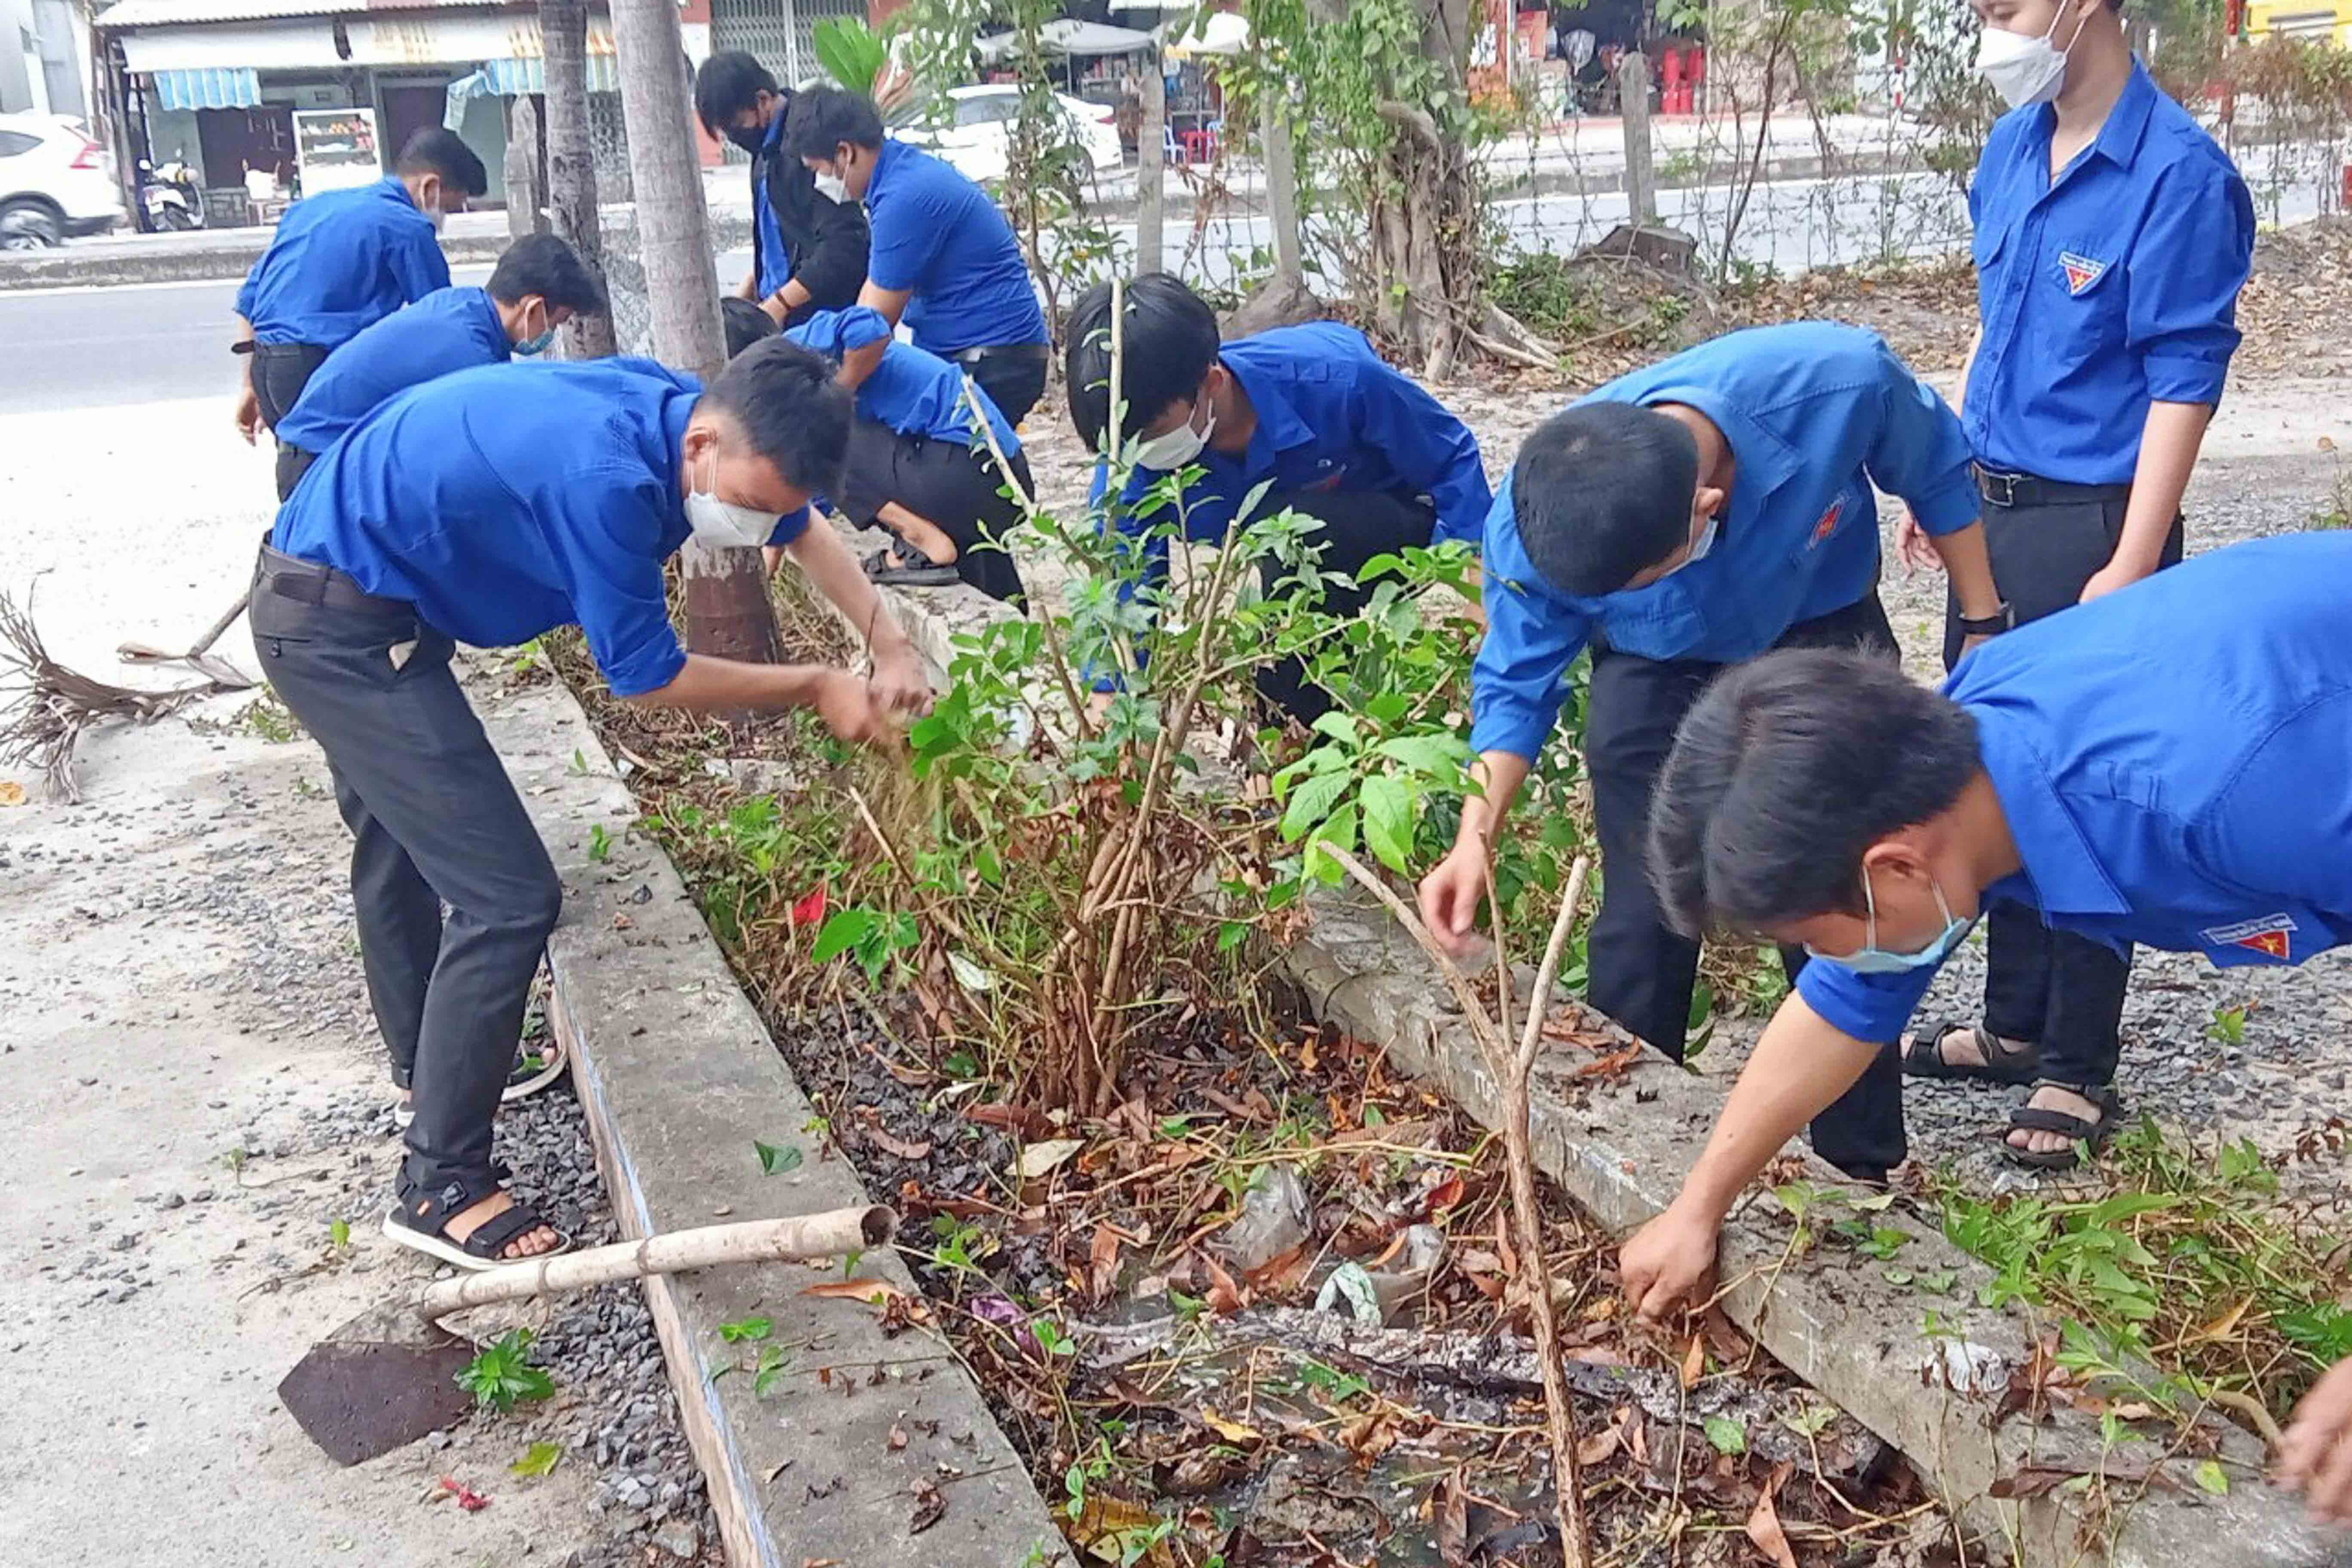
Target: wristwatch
(2002, 620)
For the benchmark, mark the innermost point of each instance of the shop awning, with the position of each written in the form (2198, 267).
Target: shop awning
(1064, 36)
(259, 46)
(511, 78)
(207, 87)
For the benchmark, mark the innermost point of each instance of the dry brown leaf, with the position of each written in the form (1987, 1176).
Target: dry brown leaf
(11, 792)
(930, 1507)
(897, 1438)
(1452, 1522)
(1038, 1159)
(1598, 1447)
(1764, 1523)
(2218, 1329)
(1231, 1431)
(1369, 1437)
(901, 1147)
(1102, 1262)
(1695, 1362)
(873, 1292)
(1106, 1526)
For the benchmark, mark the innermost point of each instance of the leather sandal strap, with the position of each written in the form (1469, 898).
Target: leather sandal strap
(490, 1237)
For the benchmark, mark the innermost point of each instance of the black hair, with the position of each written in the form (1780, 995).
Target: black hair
(823, 118)
(544, 265)
(786, 403)
(1167, 344)
(1783, 772)
(746, 325)
(727, 84)
(1602, 492)
(434, 151)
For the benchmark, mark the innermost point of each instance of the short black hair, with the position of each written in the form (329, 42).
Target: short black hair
(544, 265)
(727, 84)
(823, 118)
(1167, 345)
(1783, 772)
(746, 325)
(434, 151)
(787, 404)
(1602, 492)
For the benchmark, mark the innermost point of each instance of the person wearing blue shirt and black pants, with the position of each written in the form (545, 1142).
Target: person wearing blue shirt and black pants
(916, 466)
(1310, 412)
(489, 506)
(1679, 520)
(807, 253)
(538, 285)
(340, 262)
(942, 259)
(2111, 238)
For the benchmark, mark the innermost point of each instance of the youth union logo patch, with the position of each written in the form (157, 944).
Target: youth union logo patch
(2082, 271)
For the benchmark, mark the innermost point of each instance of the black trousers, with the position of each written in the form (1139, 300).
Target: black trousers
(434, 820)
(280, 371)
(1641, 972)
(1013, 378)
(955, 488)
(1357, 526)
(2063, 992)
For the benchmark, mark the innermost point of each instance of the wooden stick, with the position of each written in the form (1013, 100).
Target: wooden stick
(797, 1237)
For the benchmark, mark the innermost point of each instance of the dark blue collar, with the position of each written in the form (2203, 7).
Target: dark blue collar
(2126, 127)
(2058, 861)
(1278, 424)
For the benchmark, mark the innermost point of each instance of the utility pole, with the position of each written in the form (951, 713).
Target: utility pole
(571, 163)
(1152, 165)
(728, 611)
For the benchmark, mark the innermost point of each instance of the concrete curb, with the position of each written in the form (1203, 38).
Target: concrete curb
(1622, 1150)
(679, 1077)
(68, 267)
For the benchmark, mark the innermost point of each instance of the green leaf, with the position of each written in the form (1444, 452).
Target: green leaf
(339, 1231)
(774, 1160)
(1232, 934)
(1435, 756)
(1311, 802)
(748, 1328)
(538, 1459)
(1387, 821)
(2209, 1475)
(844, 931)
(773, 1365)
(1728, 1436)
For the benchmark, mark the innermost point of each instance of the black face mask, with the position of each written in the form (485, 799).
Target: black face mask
(751, 138)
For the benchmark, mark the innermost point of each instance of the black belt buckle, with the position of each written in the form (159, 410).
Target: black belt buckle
(2005, 495)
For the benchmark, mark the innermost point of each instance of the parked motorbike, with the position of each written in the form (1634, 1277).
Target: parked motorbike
(171, 198)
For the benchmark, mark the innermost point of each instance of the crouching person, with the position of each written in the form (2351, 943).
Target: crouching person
(917, 467)
(489, 506)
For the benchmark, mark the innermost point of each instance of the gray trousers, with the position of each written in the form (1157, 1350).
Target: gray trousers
(434, 820)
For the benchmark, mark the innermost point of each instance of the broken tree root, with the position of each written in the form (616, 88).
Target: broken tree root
(48, 705)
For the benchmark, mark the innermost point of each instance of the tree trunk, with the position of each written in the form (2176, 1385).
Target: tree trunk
(1281, 189)
(1633, 101)
(522, 169)
(1151, 169)
(728, 611)
(571, 164)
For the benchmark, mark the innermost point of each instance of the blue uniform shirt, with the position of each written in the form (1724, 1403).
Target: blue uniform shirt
(936, 236)
(2207, 811)
(776, 262)
(449, 330)
(912, 391)
(508, 499)
(342, 261)
(1814, 413)
(2116, 284)
(1331, 416)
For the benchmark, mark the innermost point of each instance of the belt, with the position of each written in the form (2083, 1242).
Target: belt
(282, 351)
(308, 582)
(1026, 354)
(2004, 489)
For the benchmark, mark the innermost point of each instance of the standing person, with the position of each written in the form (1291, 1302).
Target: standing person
(489, 506)
(342, 261)
(2112, 237)
(807, 253)
(2166, 765)
(1682, 519)
(943, 260)
(916, 468)
(538, 285)
(1310, 412)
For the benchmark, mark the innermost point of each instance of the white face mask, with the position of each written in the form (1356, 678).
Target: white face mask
(832, 187)
(1171, 450)
(2024, 68)
(1699, 547)
(437, 217)
(722, 524)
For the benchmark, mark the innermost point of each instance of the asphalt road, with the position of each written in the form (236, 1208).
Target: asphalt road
(103, 347)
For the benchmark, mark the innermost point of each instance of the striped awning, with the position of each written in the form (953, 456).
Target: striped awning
(213, 87)
(514, 77)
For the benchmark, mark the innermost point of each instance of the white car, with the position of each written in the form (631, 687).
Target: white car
(54, 181)
(977, 140)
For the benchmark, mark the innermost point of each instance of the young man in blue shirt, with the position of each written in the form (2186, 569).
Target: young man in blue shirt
(942, 257)
(807, 253)
(1311, 412)
(489, 506)
(2165, 765)
(915, 467)
(538, 285)
(1682, 519)
(2112, 237)
(340, 262)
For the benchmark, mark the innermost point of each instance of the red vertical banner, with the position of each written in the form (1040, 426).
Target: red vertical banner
(1490, 52)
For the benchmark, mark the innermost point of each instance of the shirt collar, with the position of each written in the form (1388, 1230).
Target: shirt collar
(768, 143)
(2058, 861)
(485, 311)
(1278, 424)
(2127, 126)
(892, 152)
(1762, 457)
(675, 412)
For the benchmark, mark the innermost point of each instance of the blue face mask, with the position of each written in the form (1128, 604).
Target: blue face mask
(537, 345)
(1871, 958)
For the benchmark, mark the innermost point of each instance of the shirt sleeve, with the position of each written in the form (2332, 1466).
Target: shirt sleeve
(607, 538)
(250, 286)
(1872, 1008)
(1921, 453)
(909, 232)
(417, 263)
(789, 528)
(832, 268)
(2186, 267)
(2280, 826)
(1428, 447)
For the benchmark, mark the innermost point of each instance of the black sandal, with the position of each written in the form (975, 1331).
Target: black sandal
(900, 563)
(1923, 1055)
(2076, 1130)
(420, 1223)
